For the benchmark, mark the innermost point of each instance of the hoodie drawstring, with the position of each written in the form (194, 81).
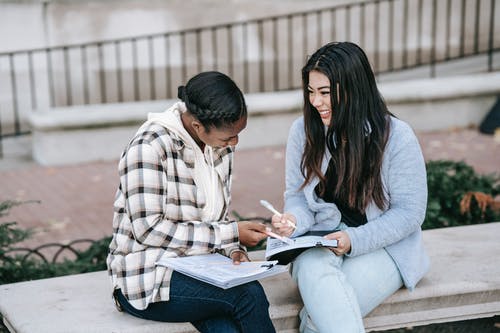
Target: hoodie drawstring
(213, 176)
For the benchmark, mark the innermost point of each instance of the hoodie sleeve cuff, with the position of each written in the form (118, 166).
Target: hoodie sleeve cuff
(228, 234)
(351, 232)
(303, 224)
(236, 249)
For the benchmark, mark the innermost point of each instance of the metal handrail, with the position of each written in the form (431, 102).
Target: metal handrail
(261, 54)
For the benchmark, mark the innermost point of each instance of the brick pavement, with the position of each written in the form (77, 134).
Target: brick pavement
(76, 201)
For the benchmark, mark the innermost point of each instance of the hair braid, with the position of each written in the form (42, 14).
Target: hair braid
(213, 98)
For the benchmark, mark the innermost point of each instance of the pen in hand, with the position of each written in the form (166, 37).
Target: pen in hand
(281, 238)
(267, 205)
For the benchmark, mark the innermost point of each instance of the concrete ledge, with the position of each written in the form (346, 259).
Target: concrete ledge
(123, 114)
(99, 132)
(443, 103)
(463, 283)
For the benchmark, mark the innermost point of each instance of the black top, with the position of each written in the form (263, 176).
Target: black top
(352, 217)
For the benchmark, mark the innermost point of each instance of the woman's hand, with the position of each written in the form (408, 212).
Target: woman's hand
(284, 224)
(343, 242)
(251, 233)
(239, 256)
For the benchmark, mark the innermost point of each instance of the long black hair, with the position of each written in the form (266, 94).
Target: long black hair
(359, 129)
(214, 99)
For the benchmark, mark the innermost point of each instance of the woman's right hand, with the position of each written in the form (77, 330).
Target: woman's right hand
(284, 224)
(251, 233)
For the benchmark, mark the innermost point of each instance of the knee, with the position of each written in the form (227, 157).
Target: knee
(314, 260)
(254, 296)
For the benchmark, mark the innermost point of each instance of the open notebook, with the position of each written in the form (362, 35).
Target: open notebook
(285, 253)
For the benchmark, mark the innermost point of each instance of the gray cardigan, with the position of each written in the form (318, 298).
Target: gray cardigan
(397, 229)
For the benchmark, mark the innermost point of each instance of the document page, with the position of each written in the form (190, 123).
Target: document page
(285, 253)
(219, 270)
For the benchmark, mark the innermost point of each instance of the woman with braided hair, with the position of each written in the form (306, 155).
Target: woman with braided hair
(173, 200)
(357, 172)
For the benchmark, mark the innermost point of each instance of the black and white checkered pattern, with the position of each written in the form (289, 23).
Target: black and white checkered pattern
(157, 212)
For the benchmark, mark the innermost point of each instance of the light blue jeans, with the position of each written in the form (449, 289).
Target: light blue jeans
(338, 291)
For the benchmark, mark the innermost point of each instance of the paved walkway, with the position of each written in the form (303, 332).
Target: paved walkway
(76, 201)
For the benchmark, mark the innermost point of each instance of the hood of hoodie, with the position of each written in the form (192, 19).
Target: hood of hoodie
(204, 175)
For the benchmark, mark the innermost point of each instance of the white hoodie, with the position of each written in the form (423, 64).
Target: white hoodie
(205, 176)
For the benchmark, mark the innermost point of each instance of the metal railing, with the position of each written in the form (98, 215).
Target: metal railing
(263, 54)
(50, 253)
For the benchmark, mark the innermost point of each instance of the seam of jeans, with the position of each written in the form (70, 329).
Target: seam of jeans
(200, 298)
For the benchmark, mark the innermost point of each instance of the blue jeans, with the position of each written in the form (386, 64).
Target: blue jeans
(243, 308)
(338, 291)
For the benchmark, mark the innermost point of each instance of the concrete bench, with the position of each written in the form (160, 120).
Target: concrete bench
(463, 283)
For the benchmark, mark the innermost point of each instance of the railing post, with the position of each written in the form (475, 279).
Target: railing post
(491, 35)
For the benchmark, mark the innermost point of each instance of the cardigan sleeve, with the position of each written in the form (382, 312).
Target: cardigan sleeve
(295, 200)
(406, 185)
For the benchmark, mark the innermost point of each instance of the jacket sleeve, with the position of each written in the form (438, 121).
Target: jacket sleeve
(143, 181)
(406, 185)
(295, 200)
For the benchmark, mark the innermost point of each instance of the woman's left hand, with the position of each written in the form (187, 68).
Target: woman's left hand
(343, 242)
(239, 256)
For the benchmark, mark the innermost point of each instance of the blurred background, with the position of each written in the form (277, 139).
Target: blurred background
(77, 78)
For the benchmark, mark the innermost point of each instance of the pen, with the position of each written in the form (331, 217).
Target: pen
(281, 238)
(272, 209)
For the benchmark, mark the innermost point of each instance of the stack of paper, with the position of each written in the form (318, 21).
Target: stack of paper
(220, 271)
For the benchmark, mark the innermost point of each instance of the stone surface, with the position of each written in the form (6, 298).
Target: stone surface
(65, 136)
(463, 283)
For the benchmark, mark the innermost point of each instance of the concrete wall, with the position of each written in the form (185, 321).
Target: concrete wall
(28, 24)
(31, 23)
(37, 23)
(74, 135)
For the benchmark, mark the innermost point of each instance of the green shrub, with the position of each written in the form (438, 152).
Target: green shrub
(8, 233)
(16, 266)
(451, 185)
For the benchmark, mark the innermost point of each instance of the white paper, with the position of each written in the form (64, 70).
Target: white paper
(275, 246)
(220, 271)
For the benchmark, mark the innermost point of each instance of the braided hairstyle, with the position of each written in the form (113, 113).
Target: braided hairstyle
(214, 99)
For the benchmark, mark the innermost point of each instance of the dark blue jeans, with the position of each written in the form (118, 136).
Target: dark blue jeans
(242, 308)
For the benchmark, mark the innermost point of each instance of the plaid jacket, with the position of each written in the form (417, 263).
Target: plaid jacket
(157, 211)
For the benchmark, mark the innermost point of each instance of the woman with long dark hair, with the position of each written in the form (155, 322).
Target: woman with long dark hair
(173, 200)
(356, 170)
